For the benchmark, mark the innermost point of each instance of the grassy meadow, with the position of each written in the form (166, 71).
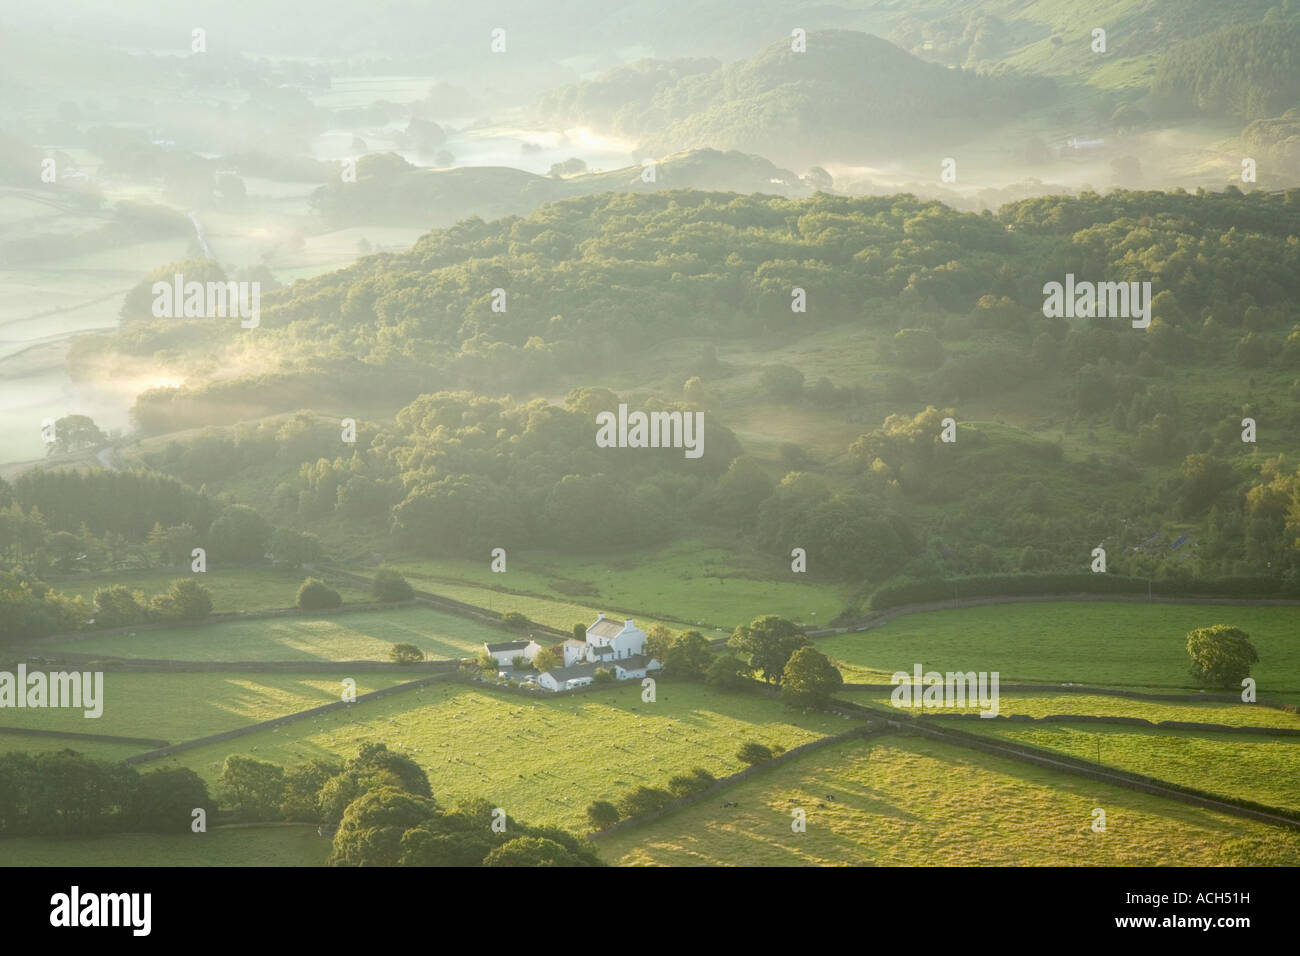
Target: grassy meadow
(354, 636)
(232, 589)
(544, 761)
(1088, 642)
(905, 801)
(1252, 768)
(176, 707)
(686, 584)
(1043, 704)
(220, 846)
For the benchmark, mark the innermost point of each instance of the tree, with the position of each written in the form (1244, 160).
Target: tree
(810, 678)
(388, 585)
(315, 595)
(547, 660)
(657, 641)
(580, 632)
(643, 799)
(424, 846)
(239, 534)
(405, 654)
(253, 788)
(782, 383)
(532, 851)
(728, 672)
(684, 784)
(189, 600)
(117, 606)
(568, 167)
(302, 790)
(377, 758)
(515, 621)
(753, 753)
(371, 831)
(173, 545)
(768, 641)
(75, 433)
(602, 815)
(689, 656)
(164, 800)
(1221, 655)
(295, 548)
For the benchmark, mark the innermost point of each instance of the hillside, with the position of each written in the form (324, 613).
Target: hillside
(849, 94)
(823, 423)
(391, 191)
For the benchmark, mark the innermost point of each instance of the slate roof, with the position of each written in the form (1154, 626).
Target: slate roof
(634, 663)
(507, 646)
(606, 628)
(562, 674)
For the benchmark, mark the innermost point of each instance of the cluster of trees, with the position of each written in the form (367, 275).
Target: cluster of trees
(66, 793)
(184, 600)
(62, 520)
(1244, 72)
(386, 815)
(777, 651)
(956, 297)
(31, 608)
(602, 814)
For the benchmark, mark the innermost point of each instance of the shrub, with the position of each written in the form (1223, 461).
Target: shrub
(697, 781)
(603, 675)
(754, 753)
(190, 600)
(515, 621)
(643, 800)
(602, 815)
(388, 585)
(1221, 655)
(406, 654)
(315, 595)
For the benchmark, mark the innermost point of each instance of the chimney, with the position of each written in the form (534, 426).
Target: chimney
(628, 622)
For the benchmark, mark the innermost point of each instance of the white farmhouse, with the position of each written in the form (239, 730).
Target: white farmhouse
(567, 678)
(506, 652)
(609, 640)
(617, 646)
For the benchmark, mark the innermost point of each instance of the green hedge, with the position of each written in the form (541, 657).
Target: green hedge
(913, 591)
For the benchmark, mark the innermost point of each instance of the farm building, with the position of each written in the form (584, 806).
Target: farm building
(618, 646)
(505, 652)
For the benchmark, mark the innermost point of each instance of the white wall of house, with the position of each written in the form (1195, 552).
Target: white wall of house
(506, 658)
(627, 643)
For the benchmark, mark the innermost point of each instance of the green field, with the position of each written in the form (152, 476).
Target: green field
(1043, 704)
(176, 707)
(904, 801)
(40, 745)
(688, 581)
(1087, 642)
(543, 761)
(221, 846)
(1253, 768)
(355, 636)
(233, 589)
